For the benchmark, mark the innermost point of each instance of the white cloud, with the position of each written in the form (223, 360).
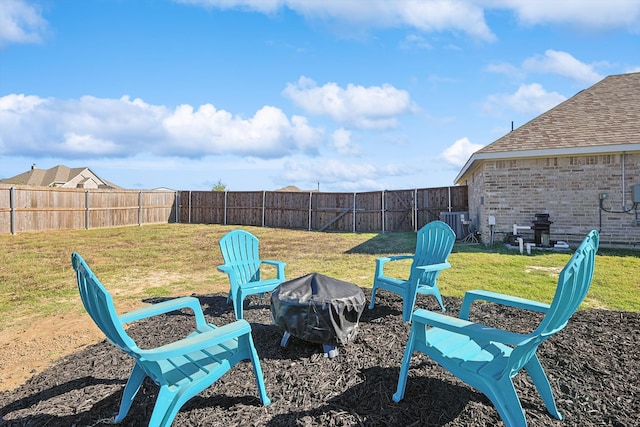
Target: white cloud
(263, 6)
(87, 145)
(532, 98)
(564, 64)
(415, 40)
(341, 175)
(122, 127)
(373, 107)
(20, 22)
(269, 133)
(458, 153)
(551, 62)
(590, 14)
(460, 16)
(341, 142)
(507, 69)
(20, 103)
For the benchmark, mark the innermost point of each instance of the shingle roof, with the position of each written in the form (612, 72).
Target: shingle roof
(47, 177)
(605, 115)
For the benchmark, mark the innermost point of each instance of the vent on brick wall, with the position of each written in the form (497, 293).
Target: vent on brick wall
(454, 220)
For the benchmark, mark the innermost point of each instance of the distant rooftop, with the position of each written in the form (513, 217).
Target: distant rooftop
(60, 176)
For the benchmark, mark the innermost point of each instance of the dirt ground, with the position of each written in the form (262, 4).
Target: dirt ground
(30, 348)
(592, 366)
(26, 351)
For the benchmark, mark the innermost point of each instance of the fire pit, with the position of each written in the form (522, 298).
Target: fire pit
(318, 309)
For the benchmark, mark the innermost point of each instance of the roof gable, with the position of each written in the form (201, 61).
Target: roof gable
(604, 117)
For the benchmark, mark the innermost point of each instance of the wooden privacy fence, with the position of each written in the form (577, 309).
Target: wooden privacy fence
(379, 211)
(25, 209)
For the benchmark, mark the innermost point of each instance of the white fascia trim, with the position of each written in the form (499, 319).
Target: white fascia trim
(577, 151)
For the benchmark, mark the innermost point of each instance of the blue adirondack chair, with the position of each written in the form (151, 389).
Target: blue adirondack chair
(242, 264)
(182, 368)
(433, 246)
(488, 358)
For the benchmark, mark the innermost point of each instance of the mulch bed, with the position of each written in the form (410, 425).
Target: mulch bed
(593, 366)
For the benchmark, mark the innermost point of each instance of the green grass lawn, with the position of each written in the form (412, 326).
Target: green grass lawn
(136, 263)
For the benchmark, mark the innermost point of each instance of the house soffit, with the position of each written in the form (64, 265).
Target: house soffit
(478, 158)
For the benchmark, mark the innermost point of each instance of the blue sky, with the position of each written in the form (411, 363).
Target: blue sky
(340, 95)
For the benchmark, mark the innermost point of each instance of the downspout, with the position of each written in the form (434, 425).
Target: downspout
(624, 201)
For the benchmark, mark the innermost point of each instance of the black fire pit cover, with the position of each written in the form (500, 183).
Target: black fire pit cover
(318, 309)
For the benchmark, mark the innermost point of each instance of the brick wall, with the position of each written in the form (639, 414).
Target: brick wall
(566, 188)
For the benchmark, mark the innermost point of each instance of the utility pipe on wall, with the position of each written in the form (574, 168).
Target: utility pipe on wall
(517, 227)
(624, 200)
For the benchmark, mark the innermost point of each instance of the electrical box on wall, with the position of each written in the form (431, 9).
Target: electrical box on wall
(635, 189)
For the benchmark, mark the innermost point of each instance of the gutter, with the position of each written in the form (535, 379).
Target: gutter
(574, 151)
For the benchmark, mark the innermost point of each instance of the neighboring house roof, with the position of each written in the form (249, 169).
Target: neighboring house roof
(294, 189)
(58, 176)
(289, 188)
(604, 118)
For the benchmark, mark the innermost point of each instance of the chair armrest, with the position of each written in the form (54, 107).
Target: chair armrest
(508, 300)
(225, 268)
(278, 264)
(380, 262)
(166, 307)
(394, 258)
(216, 335)
(422, 317)
(230, 271)
(272, 262)
(434, 267)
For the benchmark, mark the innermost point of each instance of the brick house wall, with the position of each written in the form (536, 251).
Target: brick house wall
(565, 187)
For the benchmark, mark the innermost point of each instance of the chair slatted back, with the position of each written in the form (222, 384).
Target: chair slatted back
(434, 243)
(99, 304)
(240, 250)
(573, 284)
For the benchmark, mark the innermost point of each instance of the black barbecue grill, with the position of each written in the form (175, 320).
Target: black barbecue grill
(542, 230)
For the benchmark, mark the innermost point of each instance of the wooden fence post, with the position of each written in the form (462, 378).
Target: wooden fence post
(382, 210)
(87, 215)
(225, 207)
(12, 208)
(176, 201)
(140, 208)
(310, 196)
(354, 212)
(264, 201)
(415, 210)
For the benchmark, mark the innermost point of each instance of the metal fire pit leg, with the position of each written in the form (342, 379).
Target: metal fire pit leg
(330, 351)
(285, 339)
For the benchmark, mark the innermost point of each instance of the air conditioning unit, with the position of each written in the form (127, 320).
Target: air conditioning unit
(454, 220)
(635, 190)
